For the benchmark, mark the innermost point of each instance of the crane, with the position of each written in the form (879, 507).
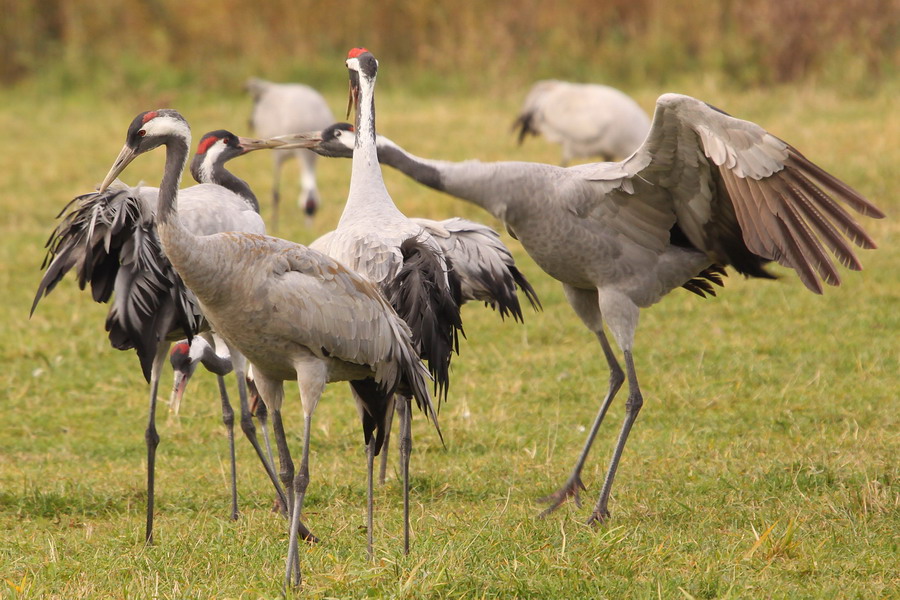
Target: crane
(400, 256)
(705, 190)
(586, 119)
(293, 312)
(110, 239)
(286, 108)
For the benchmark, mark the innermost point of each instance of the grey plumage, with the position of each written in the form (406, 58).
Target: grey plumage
(286, 108)
(110, 239)
(703, 191)
(586, 119)
(292, 311)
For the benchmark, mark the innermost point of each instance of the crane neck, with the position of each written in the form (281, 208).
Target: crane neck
(217, 174)
(175, 237)
(367, 187)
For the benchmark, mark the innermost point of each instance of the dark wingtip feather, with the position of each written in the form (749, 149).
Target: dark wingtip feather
(420, 296)
(702, 284)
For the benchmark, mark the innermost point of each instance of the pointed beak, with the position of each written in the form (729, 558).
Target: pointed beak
(251, 144)
(123, 160)
(310, 139)
(181, 381)
(353, 99)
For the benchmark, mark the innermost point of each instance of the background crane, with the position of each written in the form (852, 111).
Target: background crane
(289, 107)
(587, 119)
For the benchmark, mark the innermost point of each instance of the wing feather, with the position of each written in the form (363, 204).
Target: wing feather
(737, 192)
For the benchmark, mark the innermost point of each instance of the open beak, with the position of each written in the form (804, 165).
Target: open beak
(251, 144)
(123, 160)
(353, 99)
(181, 381)
(294, 140)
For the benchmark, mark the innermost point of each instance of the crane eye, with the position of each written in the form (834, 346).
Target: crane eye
(142, 132)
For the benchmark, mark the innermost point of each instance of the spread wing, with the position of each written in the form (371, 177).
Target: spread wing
(734, 191)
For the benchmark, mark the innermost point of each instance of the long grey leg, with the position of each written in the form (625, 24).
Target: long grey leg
(370, 465)
(404, 407)
(632, 408)
(574, 484)
(382, 470)
(586, 306)
(151, 436)
(286, 472)
(262, 415)
(228, 420)
(249, 428)
(301, 482)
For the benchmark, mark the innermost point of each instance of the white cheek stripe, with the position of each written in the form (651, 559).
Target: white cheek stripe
(166, 125)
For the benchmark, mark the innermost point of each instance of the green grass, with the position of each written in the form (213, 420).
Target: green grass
(764, 463)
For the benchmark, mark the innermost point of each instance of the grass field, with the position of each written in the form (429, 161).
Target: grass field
(763, 465)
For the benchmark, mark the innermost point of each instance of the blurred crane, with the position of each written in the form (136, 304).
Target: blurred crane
(705, 190)
(289, 108)
(293, 312)
(586, 119)
(110, 238)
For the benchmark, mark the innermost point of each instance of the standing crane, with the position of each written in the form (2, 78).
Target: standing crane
(289, 108)
(400, 256)
(705, 190)
(110, 239)
(295, 313)
(484, 265)
(586, 119)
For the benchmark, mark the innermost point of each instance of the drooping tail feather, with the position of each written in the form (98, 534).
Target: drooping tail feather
(420, 295)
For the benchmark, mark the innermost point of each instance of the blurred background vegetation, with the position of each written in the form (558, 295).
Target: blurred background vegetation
(144, 45)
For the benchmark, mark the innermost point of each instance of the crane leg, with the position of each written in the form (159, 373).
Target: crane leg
(250, 431)
(301, 482)
(382, 469)
(262, 415)
(572, 486)
(632, 408)
(151, 436)
(405, 410)
(370, 466)
(308, 200)
(228, 420)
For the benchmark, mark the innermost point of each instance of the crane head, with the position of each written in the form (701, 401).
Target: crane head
(335, 141)
(148, 131)
(359, 61)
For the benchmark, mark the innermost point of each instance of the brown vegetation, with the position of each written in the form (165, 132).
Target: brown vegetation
(624, 41)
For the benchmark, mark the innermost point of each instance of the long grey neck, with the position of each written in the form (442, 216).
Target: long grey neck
(367, 190)
(176, 239)
(488, 185)
(176, 157)
(218, 365)
(219, 175)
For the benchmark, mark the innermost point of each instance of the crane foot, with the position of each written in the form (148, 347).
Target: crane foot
(571, 489)
(598, 517)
